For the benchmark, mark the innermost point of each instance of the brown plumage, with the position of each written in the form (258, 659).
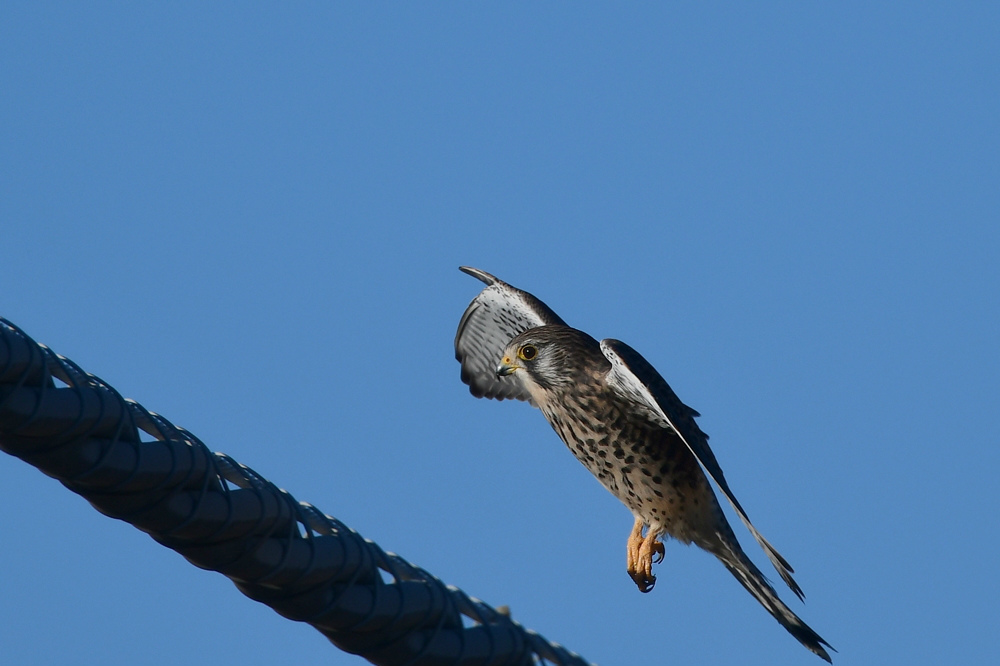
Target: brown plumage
(624, 423)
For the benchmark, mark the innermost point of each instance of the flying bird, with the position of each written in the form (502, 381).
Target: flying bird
(626, 425)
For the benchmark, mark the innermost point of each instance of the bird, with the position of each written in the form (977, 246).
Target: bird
(621, 419)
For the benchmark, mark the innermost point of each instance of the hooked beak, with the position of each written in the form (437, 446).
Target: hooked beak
(506, 367)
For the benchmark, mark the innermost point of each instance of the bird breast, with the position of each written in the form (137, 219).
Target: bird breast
(647, 467)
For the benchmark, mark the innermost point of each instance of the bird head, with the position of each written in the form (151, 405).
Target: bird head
(548, 358)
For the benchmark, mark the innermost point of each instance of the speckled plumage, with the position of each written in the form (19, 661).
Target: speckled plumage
(645, 466)
(623, 422)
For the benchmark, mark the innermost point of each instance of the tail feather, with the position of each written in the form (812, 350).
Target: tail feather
(781, 565)
(747, 573)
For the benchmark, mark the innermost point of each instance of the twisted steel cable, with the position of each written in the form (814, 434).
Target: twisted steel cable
(134, 465)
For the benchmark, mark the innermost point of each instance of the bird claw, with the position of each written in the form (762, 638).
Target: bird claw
(643, 581)
(641, 551)
(659, 551)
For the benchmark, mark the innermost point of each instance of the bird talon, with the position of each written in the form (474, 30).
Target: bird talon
(641, 551)
(658, 551)
(644, 581)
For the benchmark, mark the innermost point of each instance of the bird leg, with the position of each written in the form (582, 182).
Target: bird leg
(632, 548)
(640, 550)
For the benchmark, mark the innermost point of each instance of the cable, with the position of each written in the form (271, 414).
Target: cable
(136, 466)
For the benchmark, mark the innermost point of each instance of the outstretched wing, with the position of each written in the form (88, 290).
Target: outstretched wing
(495, 317)
(639, 382)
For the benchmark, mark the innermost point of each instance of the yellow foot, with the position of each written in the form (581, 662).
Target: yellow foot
(658, 551)
(640, 550)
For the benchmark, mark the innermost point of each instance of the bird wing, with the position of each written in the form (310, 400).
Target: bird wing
(495, 317)
(638, 382)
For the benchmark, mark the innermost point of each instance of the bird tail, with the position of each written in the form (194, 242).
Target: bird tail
(756, 584)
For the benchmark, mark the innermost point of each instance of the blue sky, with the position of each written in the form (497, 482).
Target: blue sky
(249, 218)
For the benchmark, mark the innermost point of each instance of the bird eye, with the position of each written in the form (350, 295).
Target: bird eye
(527, 352)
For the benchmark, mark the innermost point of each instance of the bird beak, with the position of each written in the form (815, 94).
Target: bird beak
(506, 367)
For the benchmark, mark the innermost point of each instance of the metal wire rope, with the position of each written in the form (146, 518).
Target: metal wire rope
(223, 516)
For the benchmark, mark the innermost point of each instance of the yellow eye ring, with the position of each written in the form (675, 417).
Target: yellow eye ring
(527, 352)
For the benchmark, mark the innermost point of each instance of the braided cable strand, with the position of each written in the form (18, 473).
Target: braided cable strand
(136, 466)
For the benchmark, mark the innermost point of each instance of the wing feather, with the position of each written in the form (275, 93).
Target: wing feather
(633, 376)
(495, 317)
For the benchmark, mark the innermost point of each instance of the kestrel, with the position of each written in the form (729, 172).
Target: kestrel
(626, 425)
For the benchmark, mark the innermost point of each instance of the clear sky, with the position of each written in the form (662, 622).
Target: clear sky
(249, 218)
